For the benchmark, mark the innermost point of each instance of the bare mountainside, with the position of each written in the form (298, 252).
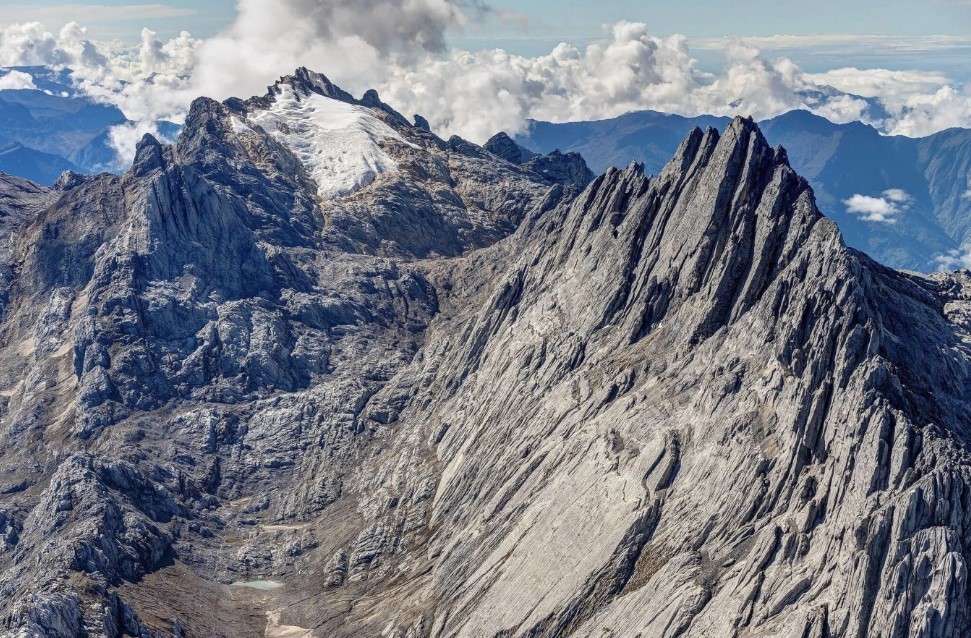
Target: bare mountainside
(313, 371)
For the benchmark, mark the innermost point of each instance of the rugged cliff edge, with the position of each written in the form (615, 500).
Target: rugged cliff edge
(427, 391)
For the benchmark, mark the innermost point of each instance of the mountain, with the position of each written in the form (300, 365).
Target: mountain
(839, 160)
(568, 168)
(647, 137)
(505, 147)
(43, 168)
(56, 126)
(313, 371)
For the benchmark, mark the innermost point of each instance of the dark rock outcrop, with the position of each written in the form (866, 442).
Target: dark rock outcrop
(503, 146)
(562, 168)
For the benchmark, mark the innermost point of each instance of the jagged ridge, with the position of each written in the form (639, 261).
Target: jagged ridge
(740, 421)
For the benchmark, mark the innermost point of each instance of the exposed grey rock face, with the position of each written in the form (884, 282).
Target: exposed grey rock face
(505, 147)
(569, 168)
(20, 201)
(711, 420)
(468, 400)
(562, 168)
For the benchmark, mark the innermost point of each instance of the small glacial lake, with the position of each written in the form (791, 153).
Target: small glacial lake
(265, 585)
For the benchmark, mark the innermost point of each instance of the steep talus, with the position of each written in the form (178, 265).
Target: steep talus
(464, 398)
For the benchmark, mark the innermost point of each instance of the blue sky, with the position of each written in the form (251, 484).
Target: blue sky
(124, 19)
(755, 17)
(918, 34)
(572, 19)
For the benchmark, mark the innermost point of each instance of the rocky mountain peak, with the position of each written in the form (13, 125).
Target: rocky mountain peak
(724, 217)
(148, 156)
(560, 168)
(505, 147)
(739, 344)
(372, 100)
(422, 123)
(306, 82)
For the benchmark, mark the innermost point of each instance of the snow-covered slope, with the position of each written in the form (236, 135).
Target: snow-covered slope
(339, 143)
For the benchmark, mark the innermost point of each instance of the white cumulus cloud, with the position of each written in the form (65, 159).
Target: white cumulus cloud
(955, 259)
(883, 209)
(351, 41)
(478, 94)
(16, 80)
(924, 114)
(897, 195)
(881, 83)
(148, 83)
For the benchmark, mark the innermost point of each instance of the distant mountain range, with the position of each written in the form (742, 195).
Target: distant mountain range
(902, 200)
(52, 128)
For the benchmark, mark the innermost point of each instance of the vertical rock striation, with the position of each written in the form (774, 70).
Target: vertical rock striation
(688, 409)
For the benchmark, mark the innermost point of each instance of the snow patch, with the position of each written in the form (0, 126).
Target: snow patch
(338, 143)
(239, 126)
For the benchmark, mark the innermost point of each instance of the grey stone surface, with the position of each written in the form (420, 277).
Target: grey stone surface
(470, 400)
(505, 147)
